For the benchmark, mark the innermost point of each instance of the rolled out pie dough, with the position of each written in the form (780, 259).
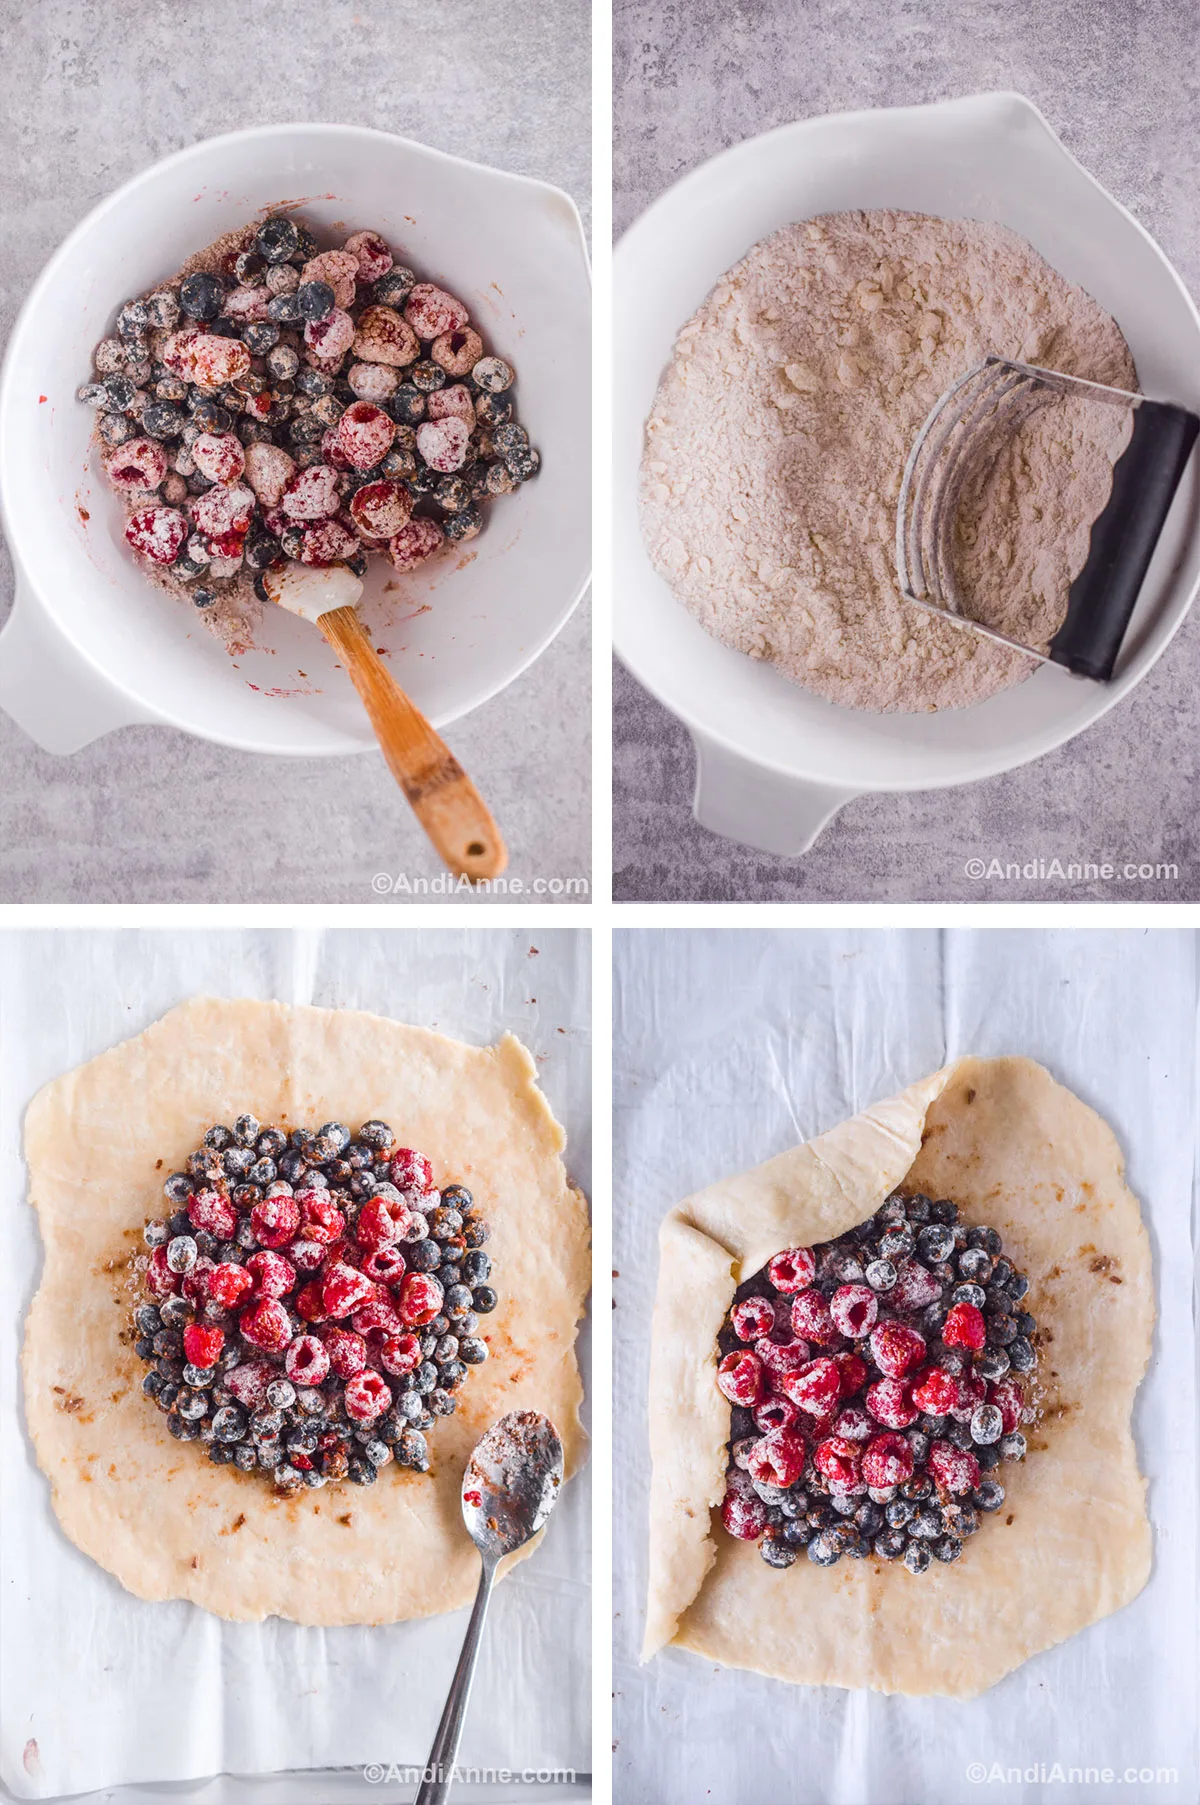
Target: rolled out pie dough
(153, 1511)
(1072, 1541)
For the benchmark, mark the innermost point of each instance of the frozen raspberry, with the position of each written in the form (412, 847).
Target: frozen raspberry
(972, 1391)
(213, 1213)
(220, 456)
(275, 1220)
(179, 349)
(839, 1460)
(377, 1226)
(321, 1219)
(853, 1424)
(915, 1288)
(312, 494)
(430, 311)
(815, 1387)
(372, 382)
(400, 1354)
(339, 269)
(265, 1325)
(223, 510)
(202, 1344)
(216, 362)
(258, 407)
(269, 469)
(793, 1270)
(160, 1280)
(327, 542)
(386, 1265)
(953, 1469)
(752, 1318)
(306, 1256)
(414, 543)
(887, 1460)
(330, 338)
(457, 352)
(228, 1284)
(273, 1275)
(157, 533)
(379, 510)
(347, 1351)
(195, 1285)
(309, 1303)
(306, 1361)
(248, 1382)
(889, 1402)
(854, 1309)
(781, 1357)
(411, 1171)
(374, 258)
(364, 434)
(895, 1349)
(853, 1372)
(138, 464)
(811, 1318)
(453, 402)
(778, 1459)
(420, 1299)
(366, 1396)
(383, 337)
(246, 304)
(965, 1327)
(740, 1379)
(775, 1412)
(1010, 1401)
(377, 1322)
(742, 1510)
(934, 1391)
(343, 1288)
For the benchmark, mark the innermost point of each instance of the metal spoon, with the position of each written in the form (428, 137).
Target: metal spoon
(510, 1487)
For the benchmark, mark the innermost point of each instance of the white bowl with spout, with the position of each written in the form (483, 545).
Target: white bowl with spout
(774, 762)
(93, 644)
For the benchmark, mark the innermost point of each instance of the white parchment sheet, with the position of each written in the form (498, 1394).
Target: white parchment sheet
(732, 1046)
(99, 1687)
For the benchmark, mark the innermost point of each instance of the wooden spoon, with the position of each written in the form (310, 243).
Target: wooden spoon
(440, 793)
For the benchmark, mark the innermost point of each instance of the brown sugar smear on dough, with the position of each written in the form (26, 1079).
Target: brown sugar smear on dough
(776, 444)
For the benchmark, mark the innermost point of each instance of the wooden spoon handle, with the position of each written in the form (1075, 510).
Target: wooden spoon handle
(441, 795)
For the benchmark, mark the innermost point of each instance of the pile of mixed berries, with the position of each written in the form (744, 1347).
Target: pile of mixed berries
(876, 1384)
(301, 404)
(313, 1302)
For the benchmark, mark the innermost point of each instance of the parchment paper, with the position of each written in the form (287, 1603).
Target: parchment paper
(99, 1688)
(729, 1047)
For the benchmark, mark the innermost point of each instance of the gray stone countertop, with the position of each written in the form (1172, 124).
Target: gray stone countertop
(1120, 83)
(96, 90)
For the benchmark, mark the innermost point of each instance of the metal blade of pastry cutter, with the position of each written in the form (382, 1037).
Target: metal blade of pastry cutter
(998, 395)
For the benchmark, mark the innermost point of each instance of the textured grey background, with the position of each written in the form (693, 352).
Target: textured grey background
(93, 91)
(1119, 80)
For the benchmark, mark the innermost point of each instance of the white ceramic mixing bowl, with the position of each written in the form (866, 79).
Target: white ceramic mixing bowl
(92, 644)
(774, 762)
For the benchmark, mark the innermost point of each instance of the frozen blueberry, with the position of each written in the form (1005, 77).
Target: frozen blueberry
(1012, 1447)
(988, 1494)
(260, 337)
(277, 239)
(493, 410)
(427, 376)
(413, 1451)
(285, 309)
(484, 1299)
(246, 1130)
(407, 405)
(177, 1312)
(463, 525)
(394, 288)
(992, 1364)
(315, 300)
(492, 375)
(776, 1551)
(968, 1294)
(1002, 1332)
(522, 465)
(201, 296)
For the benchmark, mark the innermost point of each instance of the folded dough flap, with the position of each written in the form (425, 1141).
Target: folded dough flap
(708, 1245)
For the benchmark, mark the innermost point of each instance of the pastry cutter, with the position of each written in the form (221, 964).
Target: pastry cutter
(996, 397)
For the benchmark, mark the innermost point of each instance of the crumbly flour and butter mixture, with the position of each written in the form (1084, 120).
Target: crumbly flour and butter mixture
(778, 437)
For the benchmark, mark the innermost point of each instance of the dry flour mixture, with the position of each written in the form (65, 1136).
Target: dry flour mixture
(777, 441)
